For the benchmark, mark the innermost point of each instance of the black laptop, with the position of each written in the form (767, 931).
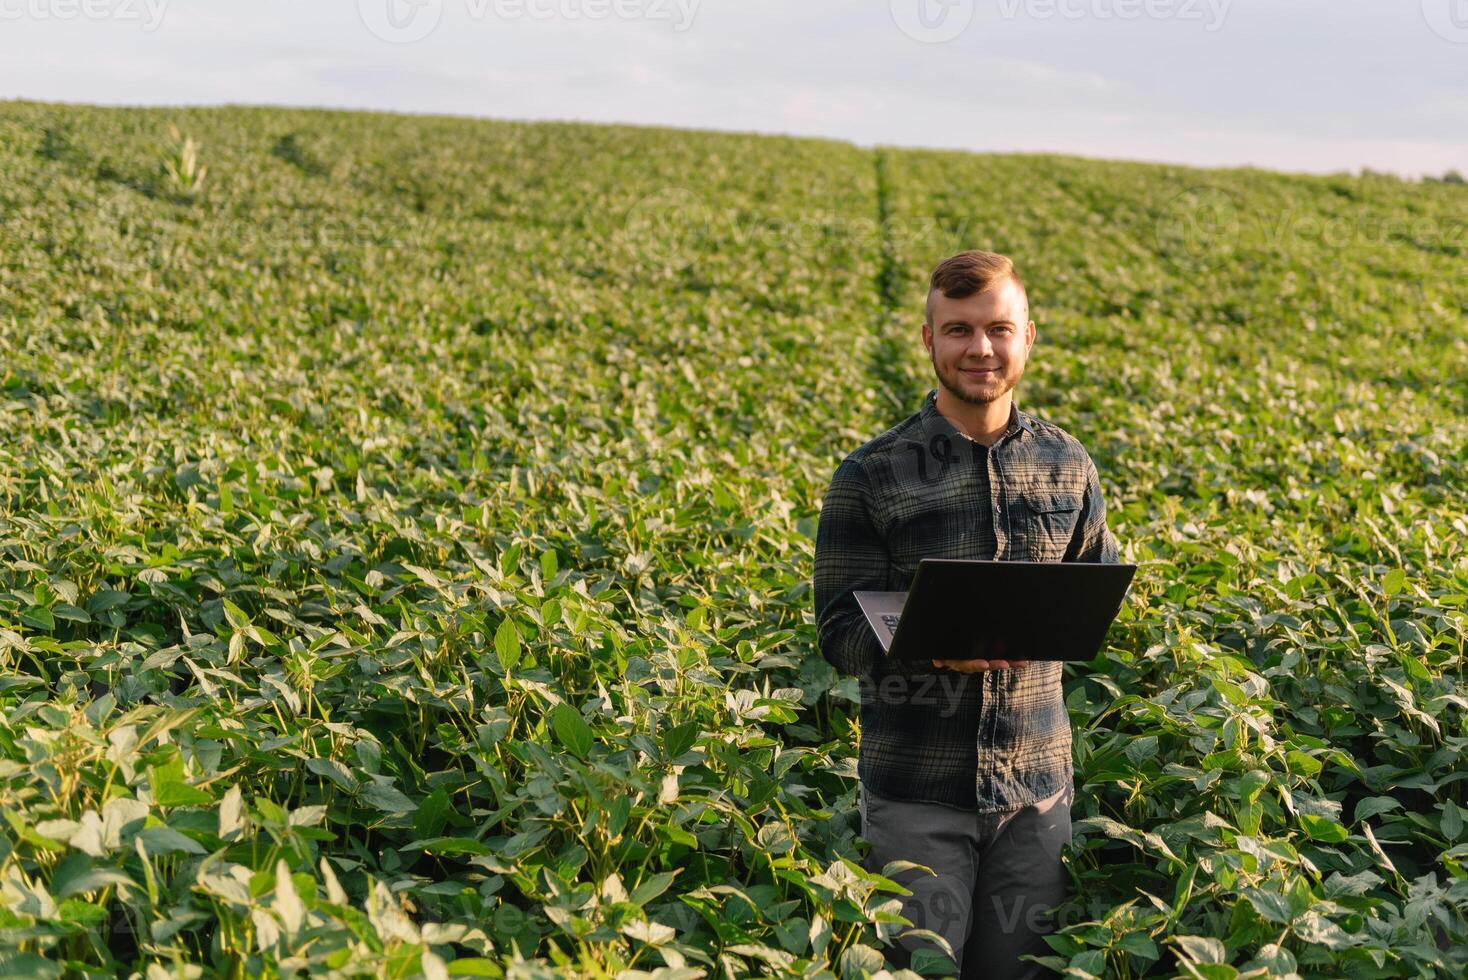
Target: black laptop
(957, 609)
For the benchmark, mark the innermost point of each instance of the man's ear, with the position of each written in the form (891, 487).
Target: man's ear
(928, 337)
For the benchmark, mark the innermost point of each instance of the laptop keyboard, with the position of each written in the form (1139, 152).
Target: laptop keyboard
(891, 620)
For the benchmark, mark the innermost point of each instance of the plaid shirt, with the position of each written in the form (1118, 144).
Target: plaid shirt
(994, 740)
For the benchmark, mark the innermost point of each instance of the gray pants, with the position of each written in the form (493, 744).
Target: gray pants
(998, 878)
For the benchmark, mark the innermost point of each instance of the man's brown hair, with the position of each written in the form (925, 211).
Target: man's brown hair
(967, 273)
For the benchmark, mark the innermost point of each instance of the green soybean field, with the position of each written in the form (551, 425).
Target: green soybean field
(407, 527)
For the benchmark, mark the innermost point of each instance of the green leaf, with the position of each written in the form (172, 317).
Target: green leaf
(231, 814)
(1090, 963)
(1370, 806)
(166, 840)
(1303, 763)
(170, 789)
(858, 961)
(79, 874)
(106, 599)
(271, 811)
(1357, 884)
(432, 814)
(793, 934)
(651, 887)
(571, 730)
(1139, 944)
(1394, 581)
(181, 794)
(507, 644)
(1300, 894)
(619, 812)
(425, 576)
(334, 771)
(1272, 906)
(775, 838)
(1139, 750)
(1276, 959)
(234, 615)
(28, 966)
(80, 912)
(39, 617)
(1211, 971)
(73, 614)
(452, 845)
(679, 739)
(1250, 783)
(386, 798)
(1317, 930)
(1323, 829)
(1452, 821)
(287, 902)
(1202, 949)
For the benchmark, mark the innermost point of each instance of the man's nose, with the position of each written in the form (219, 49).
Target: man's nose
(980, 347)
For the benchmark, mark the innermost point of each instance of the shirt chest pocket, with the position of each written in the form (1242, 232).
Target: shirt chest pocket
(1047, 522)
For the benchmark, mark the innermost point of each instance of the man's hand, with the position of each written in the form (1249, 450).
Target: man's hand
(996, 658)
(974, 666)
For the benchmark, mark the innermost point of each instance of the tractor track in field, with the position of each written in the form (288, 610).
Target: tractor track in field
(886, 353)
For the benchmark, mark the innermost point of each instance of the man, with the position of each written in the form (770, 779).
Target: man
(971, 777)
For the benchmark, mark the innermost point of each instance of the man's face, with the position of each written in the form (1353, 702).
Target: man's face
(979, 344)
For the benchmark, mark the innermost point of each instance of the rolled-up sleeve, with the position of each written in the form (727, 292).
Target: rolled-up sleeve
(1093, 540)
(851, 556)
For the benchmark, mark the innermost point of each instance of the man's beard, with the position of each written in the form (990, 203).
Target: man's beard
(990, 392)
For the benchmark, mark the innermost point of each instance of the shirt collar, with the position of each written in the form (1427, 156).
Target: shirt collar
(1017, 420)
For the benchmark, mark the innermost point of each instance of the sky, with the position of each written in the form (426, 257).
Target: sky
(1294, 85)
